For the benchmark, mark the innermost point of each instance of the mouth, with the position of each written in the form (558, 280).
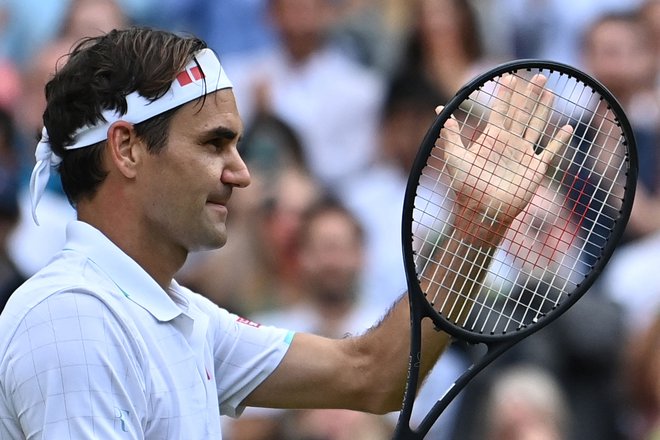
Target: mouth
(218, 206)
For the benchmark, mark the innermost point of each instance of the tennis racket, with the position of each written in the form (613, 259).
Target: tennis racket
(520, 191)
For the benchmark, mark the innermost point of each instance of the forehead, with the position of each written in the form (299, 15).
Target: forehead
(614, 30)
(217, 109)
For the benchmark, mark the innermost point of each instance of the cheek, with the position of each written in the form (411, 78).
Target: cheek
(175, 195)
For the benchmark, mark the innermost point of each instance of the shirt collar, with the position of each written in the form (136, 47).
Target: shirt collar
(125, 273)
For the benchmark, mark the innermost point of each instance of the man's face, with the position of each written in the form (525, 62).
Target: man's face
(543, 237)
(619, 55)
(186, 186)
(331, 257)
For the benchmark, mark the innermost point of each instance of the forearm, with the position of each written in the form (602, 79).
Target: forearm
(385, 352)
(448, 281)
(368, 372)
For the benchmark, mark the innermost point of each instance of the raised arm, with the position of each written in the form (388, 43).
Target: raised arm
(368, 372)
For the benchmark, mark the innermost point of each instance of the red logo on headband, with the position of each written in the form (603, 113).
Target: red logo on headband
(188, 76)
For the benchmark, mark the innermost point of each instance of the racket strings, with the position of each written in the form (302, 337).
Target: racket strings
(550, 247)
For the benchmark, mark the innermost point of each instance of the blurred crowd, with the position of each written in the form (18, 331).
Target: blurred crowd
(336, 96)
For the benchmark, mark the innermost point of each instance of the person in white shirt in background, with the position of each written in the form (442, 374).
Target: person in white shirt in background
(328, 98)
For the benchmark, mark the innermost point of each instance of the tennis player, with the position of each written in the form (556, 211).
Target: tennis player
(103, 343)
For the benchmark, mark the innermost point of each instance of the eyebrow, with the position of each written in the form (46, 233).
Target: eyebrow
(221, 133)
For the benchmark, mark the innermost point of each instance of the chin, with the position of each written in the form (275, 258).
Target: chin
(209, 242)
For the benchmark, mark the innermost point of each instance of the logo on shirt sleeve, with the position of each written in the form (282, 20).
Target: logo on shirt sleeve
(246, 321)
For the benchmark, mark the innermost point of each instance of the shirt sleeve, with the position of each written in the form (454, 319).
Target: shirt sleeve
(59, 382)
(245, 354)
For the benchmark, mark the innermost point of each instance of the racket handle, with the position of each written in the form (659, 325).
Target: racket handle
(404, 432)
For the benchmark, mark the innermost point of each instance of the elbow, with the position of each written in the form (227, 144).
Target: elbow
(380, 399)
(376, 389)
(388, 406)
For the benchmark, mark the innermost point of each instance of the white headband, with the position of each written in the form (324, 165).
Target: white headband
(203, 75)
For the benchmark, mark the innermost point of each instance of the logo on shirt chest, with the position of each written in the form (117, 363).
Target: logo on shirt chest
(122, 415)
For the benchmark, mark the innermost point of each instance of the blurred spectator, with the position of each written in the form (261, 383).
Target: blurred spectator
(445, 47)
(526, 403)
(581, 350)
(330, 251)
(32, 246)
(376, 196)
(82, 18)
(411, 95)
(340, 425)
(374, 31)
(549, 29)
(29, 25)
(643, 380)
(25, 32)
(230, 27)
(28, 113)
(650, 12)
(632, 280)
(270, 145)
(540, 252)
(89, 18)
(10, 277)
(619, 50)
(329, 245)
(10, 87)
(278, 223)
(329, 99)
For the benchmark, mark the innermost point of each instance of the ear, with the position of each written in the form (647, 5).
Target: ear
(124, 148)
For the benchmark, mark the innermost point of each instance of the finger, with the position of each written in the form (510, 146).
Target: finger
(449, 140)
(523, 105)
(539, 120)
(502, 100)
(450, 136)
(439, 110)
(560, 140)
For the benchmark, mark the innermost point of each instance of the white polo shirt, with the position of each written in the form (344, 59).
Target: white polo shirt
(92, 348)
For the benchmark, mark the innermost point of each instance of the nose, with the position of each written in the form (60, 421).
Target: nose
(236, 172)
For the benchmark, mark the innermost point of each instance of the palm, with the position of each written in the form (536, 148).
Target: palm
(496, 175)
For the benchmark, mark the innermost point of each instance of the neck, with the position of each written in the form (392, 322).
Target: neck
(159, 258)
(301, 50)
(335, 306)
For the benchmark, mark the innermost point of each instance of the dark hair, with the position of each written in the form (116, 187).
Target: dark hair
(270, 143)
(98, 75)
(9, 179)
(328, 204)
(470, 30)
(634, 18)
(411, 90)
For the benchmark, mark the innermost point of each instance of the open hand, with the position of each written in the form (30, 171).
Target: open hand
(495, 176)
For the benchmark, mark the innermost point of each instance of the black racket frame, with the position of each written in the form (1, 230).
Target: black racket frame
(420, 308)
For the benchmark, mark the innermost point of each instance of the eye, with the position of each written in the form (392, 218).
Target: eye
(218, 144)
